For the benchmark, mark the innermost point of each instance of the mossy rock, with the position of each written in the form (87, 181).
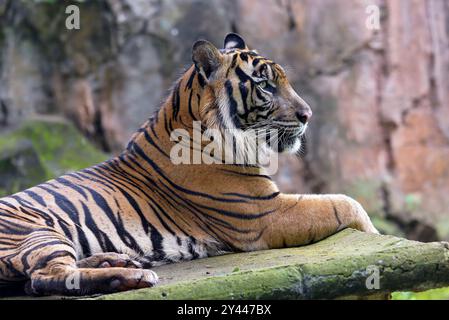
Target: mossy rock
(20, 166)
(338, 267)
(41, 149)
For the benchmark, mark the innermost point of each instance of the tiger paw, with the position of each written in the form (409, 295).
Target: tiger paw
(352, 214)
(361, 221)
(109, 260)
(133, 279)
(87, 281)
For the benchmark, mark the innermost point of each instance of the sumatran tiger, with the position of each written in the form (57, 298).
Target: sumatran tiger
(107, 225)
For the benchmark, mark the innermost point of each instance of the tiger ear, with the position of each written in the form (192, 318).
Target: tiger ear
(234, 41)
(206, 57)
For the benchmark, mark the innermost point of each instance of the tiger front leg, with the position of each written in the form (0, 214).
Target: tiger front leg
(49, 261)
(304, 219)
(67, 280)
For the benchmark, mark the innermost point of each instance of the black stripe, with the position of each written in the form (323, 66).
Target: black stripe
(255, 62)
(234, 61)
(232, 104)
(244, 93)
(69, 208)
(246, 196)
(71, 185)
(243, 77)
(13, 215)
(102, 238)
(124, 235)
(142, 154)
(33, 248)
(88, 174)
(246, 174)
(336, 214)
(176, 100)
(191, 247)
(190, 81)
(35, 197)
(190, 106)
(201, 80)
(8, 204)
(165, 125)
(194, 205)
(34, 211)
(43, 262)
(155, 145)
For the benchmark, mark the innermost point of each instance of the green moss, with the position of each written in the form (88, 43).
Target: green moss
(336, 267)
(56, 147)
(61, 146)
(259, 284)
(434, 294)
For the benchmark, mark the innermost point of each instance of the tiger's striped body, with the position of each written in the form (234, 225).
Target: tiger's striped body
(108, 224)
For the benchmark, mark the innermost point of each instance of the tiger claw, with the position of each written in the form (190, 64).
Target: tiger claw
(140, 279)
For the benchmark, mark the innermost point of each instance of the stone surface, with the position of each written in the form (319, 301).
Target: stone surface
(380, 130)
(337, 267)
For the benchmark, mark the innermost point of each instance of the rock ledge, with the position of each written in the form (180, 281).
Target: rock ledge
(337, 267)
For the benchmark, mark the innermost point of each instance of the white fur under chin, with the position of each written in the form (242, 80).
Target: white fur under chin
(295, 147)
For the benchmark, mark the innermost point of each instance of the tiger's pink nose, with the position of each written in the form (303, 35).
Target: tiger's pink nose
(303, 116)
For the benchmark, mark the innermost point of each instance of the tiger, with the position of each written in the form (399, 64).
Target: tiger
(102, 229)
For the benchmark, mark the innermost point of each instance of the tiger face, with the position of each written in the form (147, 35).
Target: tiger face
(252, 92)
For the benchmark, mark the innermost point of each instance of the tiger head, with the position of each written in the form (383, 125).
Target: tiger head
(251, 92)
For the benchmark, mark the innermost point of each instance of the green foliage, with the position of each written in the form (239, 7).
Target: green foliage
(412, 202)
(434, 294)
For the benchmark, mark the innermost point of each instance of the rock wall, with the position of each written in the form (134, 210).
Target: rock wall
(380, 130)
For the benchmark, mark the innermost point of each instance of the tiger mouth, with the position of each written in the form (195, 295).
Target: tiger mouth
(288, 138)
(292, 131)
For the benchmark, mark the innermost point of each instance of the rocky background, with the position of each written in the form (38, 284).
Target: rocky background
(380, 96)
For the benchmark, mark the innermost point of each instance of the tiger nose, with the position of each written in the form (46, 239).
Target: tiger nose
(303, 115)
